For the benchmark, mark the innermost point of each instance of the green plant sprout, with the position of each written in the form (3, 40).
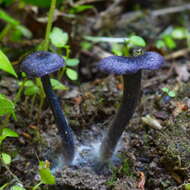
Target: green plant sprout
(14, 27)
(169, 92)
(80, 8)
(168, 38)
(4, 157)
(120, 46)
(124, 170)
(7, 107)
(41, 3)
(5, 64)
(59, 40)
(45, 175)
(17, 186)
(186, 186)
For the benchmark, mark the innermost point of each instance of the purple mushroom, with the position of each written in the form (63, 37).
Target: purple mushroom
(41, 64)
(130, 69)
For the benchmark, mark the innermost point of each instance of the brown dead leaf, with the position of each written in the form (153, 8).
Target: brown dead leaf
(119, 86)
(33, 127)
(180, 107)
(26, 135)
(142, 181)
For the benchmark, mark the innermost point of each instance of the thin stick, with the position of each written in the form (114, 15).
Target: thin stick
(170, 10)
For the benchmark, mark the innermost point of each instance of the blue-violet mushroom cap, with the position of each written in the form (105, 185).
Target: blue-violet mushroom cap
(121, 65)
(41, 63)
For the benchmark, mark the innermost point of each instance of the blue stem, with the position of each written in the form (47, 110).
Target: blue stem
(64, 130)
(131, 94)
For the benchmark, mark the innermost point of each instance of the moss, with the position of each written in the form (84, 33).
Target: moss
(174, 144)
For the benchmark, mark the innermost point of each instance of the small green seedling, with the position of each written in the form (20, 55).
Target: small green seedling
(168, 38)
(45, 175)
(120, 46)
(186, 186)
(31, 89)
(5, 64)
(170, 93)
(6, 158)
(6, 132)
(7, 107)
(59, 40)
(17, 187)
(80, 8)
(14, 27)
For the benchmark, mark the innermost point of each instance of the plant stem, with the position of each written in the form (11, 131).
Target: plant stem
(49, 24)
(37, 185)
(45, 47)
(12, 174)
(18, 94)
(5, 31)
(131, 94)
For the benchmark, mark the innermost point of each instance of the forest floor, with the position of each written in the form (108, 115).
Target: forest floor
(153, 155)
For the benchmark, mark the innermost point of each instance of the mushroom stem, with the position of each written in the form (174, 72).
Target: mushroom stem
(64, 130)
(131, 94)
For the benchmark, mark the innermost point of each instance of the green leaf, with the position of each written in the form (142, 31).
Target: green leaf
(179, 33)
(160, 44)
(186, 186)
(46, 176)
(171, 94)
(6, 132)
(27, 83)
(6, 106)
(9, 133)
(58, 38)
(5, 64)
(80, 8)
(170, 43)
(165, 89)
(6, 158)
(72, 62)
(17, 187)
(4, 16)
(4, 186)
(72, 74)
(31, 90)
(86, 45)
(56, 85)
(117, 49)
(41, 3)
(137, 41)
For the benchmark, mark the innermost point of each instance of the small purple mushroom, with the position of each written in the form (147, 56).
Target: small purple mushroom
(41, 64)
(130, 69)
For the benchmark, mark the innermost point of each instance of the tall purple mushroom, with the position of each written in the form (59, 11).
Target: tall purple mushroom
(41, 64)
(130, 69)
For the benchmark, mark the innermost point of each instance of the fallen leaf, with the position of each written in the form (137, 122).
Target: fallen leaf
(179, 107)
(142, 181)
(119, 86)
(26, 135)
(151, 122)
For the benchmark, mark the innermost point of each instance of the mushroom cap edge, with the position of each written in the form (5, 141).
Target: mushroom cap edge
(41, 63)
(121, 65)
